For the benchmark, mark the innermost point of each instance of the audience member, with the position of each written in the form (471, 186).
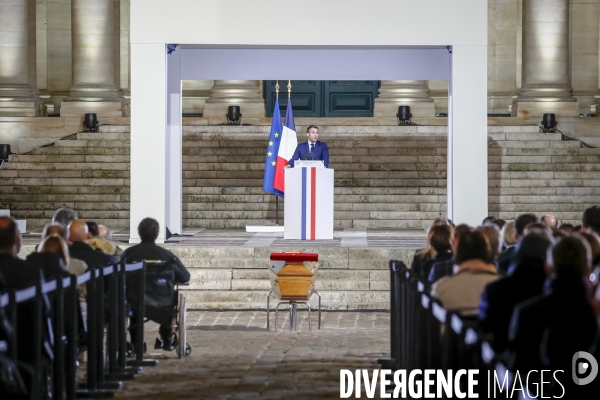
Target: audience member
(566, 228)
(492, 234)
(539, 228)
(508, 237)
(445, 268)
(52, 264)
(423, 257)
(105, 233)
(506, 258)
(594, 242)
(100, 240)
(441, 241)
(18, 274)
(551, 221)
(79, 235)
(525, 280)
(462, 291)
(92, 228)
(499, 223)
(488, 220)
(64, 216)
(74, 266)
(148, 230)
(546, 331)
(591, 219)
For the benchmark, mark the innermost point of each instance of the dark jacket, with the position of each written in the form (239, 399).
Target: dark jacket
(565, 303)
(500, 297)
(420, 262)
(442, 265)
(51, 265)
(93, 258)
(150, 251)
(321, 152)
(505, 259)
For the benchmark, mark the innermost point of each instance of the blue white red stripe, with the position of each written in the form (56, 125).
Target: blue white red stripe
(309, 204)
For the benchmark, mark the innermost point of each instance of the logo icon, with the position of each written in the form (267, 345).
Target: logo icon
(584, 363)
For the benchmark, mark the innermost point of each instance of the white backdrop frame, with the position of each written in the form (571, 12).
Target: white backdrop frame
(327, 40)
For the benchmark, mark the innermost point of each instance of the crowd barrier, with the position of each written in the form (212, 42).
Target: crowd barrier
(60, 332)
(426, 336)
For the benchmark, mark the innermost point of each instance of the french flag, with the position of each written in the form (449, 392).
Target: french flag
(287, 146)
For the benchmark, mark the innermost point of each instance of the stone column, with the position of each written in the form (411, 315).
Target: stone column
(17, 97)
(404, 93)
(245, 94)
(93, 42)
(546, 77)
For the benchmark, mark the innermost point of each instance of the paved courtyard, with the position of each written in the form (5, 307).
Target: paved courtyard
(235, 357)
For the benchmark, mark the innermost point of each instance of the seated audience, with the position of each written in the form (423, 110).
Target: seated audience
(538, 227)
(441, 242)
(64, 216)
(422, 258)
(499, 223)
(49, 258)
(591, 219)
(551, 221)
(446, 268)
(525, 280)
(475, 269)
(99, 240)
(74, 266)
(567, 228)
(80, 249)
(508, 237)
(148, 230)
(18, 274)
(492, 233)
(506, 258)
(546, 331)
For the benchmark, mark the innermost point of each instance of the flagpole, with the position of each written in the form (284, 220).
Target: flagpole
(277, 197)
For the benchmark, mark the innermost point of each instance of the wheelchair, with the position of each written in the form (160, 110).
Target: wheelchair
(163, 304)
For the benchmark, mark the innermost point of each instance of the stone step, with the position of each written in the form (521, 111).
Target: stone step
(81, 151)
(115, 128)
(93, 143)
(112, 223)
(54, 205)
(103, 135)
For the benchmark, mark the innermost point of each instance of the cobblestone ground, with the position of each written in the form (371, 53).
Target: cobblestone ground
(235, 357)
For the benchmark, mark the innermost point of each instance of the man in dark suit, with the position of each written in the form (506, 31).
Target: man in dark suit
(80, 249)
(312, 149)
(148, 250)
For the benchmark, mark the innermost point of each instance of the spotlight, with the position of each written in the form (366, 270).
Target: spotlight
(4, 153)
(90, 123)
(549, 123)
(234, 116)
(404, 115)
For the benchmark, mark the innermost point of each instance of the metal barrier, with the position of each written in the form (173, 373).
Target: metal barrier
(424, 335)
(106, 311)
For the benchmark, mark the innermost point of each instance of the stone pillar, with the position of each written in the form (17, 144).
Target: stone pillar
(546, 77)
(93, 40)
(17, 97)
(404, 93)
(245, 94)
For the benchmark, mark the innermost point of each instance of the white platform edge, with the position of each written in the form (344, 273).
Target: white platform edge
(262, 228)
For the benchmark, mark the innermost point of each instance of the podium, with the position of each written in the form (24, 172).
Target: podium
(308, 203)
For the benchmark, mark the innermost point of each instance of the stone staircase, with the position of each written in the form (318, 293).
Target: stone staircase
(386, 176)
(237, 278)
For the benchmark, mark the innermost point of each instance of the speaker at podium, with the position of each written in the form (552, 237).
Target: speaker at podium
(308, 208)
